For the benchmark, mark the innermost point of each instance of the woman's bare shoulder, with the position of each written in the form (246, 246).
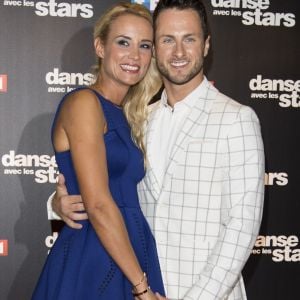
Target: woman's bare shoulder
(82, 106)
(82, 98)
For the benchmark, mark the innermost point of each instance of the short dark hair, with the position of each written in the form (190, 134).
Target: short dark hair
(196, 5)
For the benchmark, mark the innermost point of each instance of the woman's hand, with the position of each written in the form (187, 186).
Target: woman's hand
(159, 297)
(147, 296)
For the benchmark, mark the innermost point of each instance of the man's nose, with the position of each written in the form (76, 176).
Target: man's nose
(179, 49)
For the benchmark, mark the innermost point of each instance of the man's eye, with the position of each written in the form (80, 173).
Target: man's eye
(167, 40)
(190, 40)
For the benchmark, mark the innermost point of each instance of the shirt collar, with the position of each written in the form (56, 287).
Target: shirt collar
(190, 99)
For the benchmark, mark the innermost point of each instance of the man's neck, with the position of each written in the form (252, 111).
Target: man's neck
(177, 92)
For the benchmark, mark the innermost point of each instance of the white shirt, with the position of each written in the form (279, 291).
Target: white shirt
(169, 121)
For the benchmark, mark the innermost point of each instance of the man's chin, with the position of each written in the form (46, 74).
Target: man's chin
(179, 80)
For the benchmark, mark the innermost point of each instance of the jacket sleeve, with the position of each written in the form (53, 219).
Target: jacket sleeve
(51, 213)
(242, 204)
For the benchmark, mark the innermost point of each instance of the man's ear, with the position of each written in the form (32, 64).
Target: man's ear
(99, 47)
(206, 46)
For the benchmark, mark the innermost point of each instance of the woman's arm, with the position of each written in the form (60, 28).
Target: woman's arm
(82, 121)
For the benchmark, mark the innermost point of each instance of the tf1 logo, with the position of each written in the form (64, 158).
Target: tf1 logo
(3, 247)
(3, 83)
(150, 4)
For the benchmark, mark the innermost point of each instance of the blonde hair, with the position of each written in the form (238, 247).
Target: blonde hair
(139, 95)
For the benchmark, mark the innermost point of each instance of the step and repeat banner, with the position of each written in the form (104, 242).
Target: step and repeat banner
(46, 50)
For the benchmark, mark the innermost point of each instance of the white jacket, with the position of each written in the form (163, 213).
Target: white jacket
(206, 216)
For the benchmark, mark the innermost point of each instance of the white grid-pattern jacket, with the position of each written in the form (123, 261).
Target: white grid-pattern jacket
(206, 214)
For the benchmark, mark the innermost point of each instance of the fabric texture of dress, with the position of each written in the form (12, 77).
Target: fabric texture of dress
(78, 266)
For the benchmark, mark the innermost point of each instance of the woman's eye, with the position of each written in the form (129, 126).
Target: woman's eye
(146, 46)
(123, 43)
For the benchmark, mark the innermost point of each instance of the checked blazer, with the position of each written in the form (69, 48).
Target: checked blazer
(206, 214)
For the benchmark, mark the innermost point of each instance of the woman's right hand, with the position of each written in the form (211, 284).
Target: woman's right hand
(160, 297)
(147, 296)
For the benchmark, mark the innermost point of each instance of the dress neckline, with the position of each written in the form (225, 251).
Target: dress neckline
(120, 107)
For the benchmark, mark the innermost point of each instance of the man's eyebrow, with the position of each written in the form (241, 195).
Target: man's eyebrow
(190, 34)
(173, 36)
(166, 35)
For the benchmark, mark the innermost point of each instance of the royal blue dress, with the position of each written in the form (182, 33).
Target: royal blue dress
(78, 267)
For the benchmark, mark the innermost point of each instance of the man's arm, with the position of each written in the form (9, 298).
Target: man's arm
(242, 204)
(62, 206)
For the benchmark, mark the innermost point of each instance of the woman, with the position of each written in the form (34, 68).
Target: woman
(114, 255)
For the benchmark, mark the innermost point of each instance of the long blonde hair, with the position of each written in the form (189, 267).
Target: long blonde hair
(139, 95)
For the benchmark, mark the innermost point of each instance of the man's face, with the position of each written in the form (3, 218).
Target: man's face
(179, 46)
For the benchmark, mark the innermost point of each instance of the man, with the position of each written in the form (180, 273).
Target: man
(203, 190)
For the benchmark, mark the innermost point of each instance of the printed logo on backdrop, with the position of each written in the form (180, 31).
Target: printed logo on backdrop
(3, 247)
(63, 82)
(253, 12)
(52, 8)
(150, 4)
(280, 248)
(279, 179)
(42, 168)
(3, 83)
(284, 92)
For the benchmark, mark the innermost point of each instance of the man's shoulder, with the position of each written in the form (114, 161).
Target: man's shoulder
(219, 101)
(232, 109)
(230, 104)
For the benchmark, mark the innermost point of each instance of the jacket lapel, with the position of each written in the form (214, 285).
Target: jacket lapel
(150, 178)
(197, 116)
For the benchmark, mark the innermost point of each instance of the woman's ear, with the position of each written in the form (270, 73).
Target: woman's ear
(99, 47)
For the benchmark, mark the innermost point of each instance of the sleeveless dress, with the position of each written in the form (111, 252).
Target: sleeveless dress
(78, 266)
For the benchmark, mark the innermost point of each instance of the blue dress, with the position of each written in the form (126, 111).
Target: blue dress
(78, 266)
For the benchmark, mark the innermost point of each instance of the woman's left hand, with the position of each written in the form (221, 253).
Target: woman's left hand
(160, 297)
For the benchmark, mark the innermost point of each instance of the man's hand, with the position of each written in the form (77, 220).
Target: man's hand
(68, 207)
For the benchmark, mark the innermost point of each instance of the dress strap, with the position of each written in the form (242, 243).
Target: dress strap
(106, 106)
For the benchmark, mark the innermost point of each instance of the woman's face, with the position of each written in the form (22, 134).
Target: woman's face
(126, 54)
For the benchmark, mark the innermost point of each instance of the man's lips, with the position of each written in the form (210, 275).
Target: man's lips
(179, 63)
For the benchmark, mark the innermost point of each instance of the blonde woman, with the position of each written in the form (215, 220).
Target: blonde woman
(114, 255)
